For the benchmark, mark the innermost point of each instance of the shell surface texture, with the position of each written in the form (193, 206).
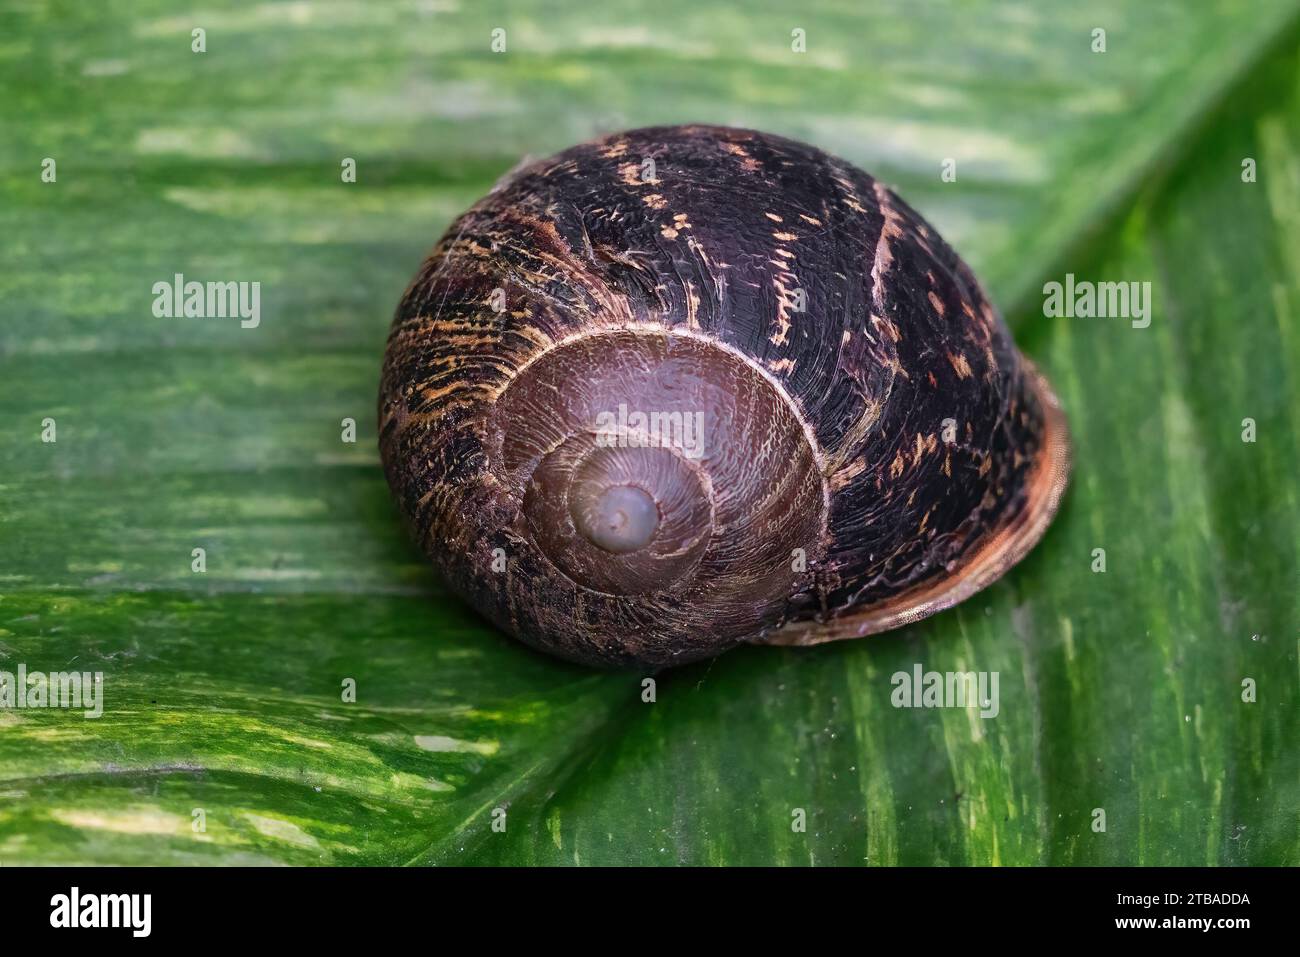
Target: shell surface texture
(686, 387)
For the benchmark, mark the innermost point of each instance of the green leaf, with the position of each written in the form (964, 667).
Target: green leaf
(223, 691)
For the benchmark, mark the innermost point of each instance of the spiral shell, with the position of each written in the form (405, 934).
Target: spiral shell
(686, 387)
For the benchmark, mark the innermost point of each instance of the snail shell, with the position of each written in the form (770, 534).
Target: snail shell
(686, 387)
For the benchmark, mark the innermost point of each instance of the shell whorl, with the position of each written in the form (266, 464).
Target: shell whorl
(652, 463)
(604, 423)
(751, 396)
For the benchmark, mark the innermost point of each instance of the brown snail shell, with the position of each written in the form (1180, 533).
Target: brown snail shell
(686, 387)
